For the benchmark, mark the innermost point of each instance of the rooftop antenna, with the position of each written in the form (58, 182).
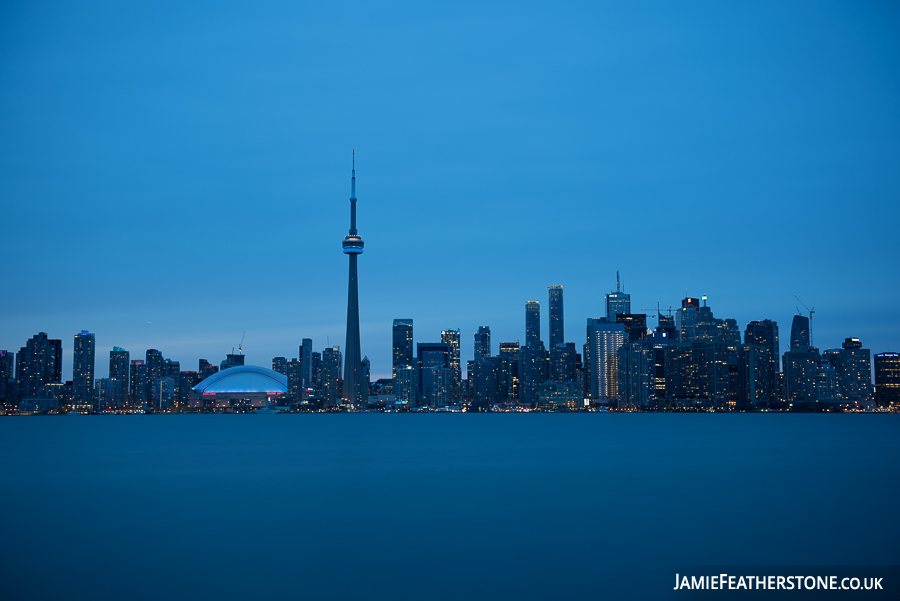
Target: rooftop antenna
(811, 311)
(617, 280)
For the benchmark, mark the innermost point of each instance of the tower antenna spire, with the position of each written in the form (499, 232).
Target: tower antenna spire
(617, 281)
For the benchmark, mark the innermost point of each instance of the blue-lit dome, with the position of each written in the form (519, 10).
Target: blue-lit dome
(243, 378)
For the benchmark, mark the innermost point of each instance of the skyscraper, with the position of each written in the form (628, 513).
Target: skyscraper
(402, 336)
(482, 343)
(451, 337)
(83, 368)
(800, 333)
(557, 333)
(887, 379)
(617, 302)
(353, 247)
(764, 335)
(306, 363)
(331, 375)
(532, 322)
(118, 370)
(431, 355)
(279, 364)
(604, 339)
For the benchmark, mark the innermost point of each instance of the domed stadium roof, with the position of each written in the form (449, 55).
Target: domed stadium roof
(243, 378)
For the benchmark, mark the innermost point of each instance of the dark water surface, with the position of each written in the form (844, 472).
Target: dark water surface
(434, 506)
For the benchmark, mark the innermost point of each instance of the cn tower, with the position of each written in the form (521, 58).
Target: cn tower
(353, 246)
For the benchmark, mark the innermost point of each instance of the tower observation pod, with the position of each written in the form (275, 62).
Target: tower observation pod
(353, 393)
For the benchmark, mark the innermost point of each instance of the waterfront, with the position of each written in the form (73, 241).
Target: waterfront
(531, 506)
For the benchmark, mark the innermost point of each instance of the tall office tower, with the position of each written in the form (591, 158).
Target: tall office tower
(635, 325)
(306, 363)
(482, 343)
(854, 372)
(562, 363)
(34, 366)
(800, 371)
(604, 339)
(106, 393)
(118, 370)
(732, 338)
(484, 383)
(800, 333)
(55, 358)
(617, 302)
(451, 337)
(279, 364)
(751, 379)
(186, 382)
(887, 379)
(353, 247)
(138, 383)
(470, 373)
(366, 375)
(7, 380)
(153, 359)
(406, 385)
(557, 328)
(634, 368)
(317, 372)
(665, 328)
(827, 388)
(764, 334)
(294, 369)
(686, 319)
(431, 355)
(509, 371)
(83, 369)
(402, 337)
(532, 322)
(331, 375)
(533, 372)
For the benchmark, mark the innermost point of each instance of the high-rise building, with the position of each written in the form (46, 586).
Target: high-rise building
(83, 369)
(509, 371)
(557, 326)
(294, 369)
(138, 384)
(617, 302)
(887, 379)
(306, 366)
(532, 322)
(604, 339)
(331, 375)
(366, 375)
(854, 372)
(800, 333)
(635, 325)
(485, 391)
(36, 365)
(317, 371)
(118, 370)
(764, 335)
(533, 370)
(686, 319)
(635, 366)
(751, 377)
(800, 374)
(482, 343)
(562, 363)
(55, 358)
(353, 247)
(402, 336)
(406, 385)
(430, 355)
(279, 364)
(7, 377)
(451, 337)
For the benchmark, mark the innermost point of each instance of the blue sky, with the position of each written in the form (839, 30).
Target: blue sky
(172, 176)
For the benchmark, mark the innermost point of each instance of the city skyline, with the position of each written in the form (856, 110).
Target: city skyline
(193, 200)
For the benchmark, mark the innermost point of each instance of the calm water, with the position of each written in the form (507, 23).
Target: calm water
(433, 506)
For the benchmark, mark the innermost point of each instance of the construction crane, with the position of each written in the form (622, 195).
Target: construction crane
(241, 345)
(810, 311)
